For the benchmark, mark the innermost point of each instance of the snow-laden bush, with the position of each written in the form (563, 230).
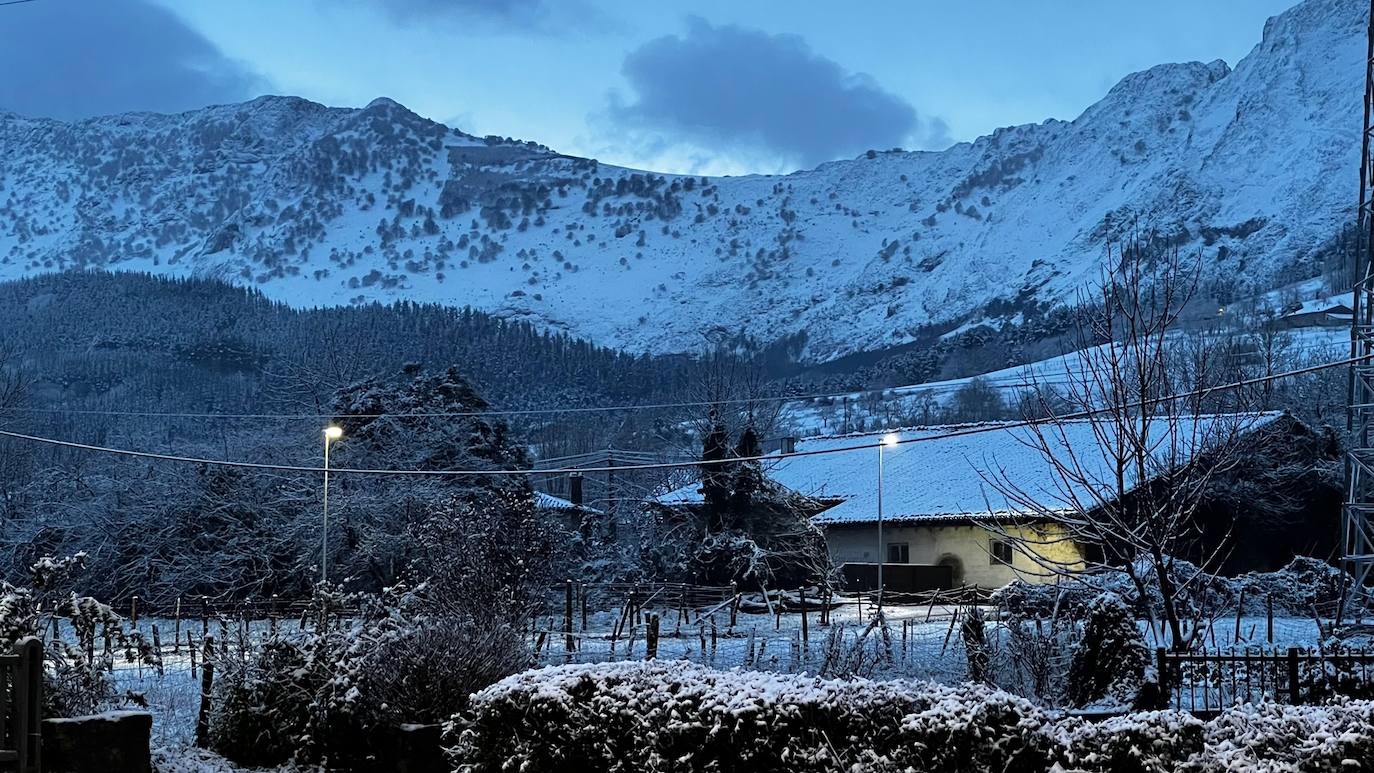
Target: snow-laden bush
(1145, 742)
(1305, 582)
(76, 674)
(1109, 660)
(678, 716)
(335, 694)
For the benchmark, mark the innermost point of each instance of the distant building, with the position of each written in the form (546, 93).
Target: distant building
(1335, 311)
(938, 494)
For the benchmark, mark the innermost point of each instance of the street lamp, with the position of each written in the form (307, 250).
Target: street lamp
(331, 433)
(889, 440)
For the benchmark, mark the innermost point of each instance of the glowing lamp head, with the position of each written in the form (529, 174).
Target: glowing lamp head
(890, 439)
(333, 433)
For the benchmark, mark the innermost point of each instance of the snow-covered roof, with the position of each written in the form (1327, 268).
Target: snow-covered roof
(1335, 304)
(946, 476)
(550, 502)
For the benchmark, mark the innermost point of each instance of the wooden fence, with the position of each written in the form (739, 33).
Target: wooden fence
(1212, 680)
(21, 686)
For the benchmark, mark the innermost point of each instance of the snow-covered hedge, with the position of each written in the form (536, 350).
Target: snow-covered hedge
(679, 716)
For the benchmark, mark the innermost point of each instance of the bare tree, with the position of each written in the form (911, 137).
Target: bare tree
(1130, 496)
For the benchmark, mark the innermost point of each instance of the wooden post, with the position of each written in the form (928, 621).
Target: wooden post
(1294, 692)
(176, 634)
(1240, 607)
(157, 648)
(1162, 665)
(204, 617)
(568, 643)
(584, 605)
(1269, 622)
(133, 612)
(651, 636)
(191, 650)
(207, 686)
(805, 630)
(734, 603)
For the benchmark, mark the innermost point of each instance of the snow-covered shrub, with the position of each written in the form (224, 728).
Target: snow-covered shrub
(1296, 588)
(1032, 651)
(260, 708)
(976, 646)
(76, 675)
(1145, 742)
(334, 694)
(1109, 660)
(1337, 736)
(678, 716)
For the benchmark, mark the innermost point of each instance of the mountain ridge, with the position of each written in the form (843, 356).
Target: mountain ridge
(1252, 166)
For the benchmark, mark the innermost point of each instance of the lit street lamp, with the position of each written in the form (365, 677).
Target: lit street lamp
(331, 433)
(890, 439)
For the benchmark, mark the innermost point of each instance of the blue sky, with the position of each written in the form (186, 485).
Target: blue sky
(708, 86)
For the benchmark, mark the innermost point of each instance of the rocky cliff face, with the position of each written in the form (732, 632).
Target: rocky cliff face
(1254, 167)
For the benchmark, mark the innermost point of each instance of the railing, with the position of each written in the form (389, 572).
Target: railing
(1213, 680)
(21, 694)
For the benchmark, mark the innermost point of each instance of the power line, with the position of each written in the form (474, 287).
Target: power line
(970, 430)
(16, 2)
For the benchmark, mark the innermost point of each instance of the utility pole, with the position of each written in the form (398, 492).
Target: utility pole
(1357, 536)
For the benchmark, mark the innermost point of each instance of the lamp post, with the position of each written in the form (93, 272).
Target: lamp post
(331, 433)
(890, 439)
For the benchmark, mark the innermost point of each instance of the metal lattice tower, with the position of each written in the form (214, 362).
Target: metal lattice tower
(1357, 523)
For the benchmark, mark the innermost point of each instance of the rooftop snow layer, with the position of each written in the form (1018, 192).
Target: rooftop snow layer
(938, 474)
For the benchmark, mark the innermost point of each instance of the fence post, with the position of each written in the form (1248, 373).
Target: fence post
(805, 629)
(176, 634)
(568, 642)
(1269, 623)
(1162, 666)
(157, 648)
(650, 636)
(207, 685)
(28, 698)
(734, 603)
(1240, 607)
(133, 612)
(1294, 693)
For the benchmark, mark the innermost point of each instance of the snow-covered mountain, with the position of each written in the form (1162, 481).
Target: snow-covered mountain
(1256, 167)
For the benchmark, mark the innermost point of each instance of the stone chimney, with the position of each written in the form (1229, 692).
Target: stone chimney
(575, 489)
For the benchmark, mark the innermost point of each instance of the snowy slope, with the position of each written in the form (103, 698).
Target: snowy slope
(1254, 167)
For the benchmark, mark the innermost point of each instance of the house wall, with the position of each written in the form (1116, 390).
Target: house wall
(967, 544)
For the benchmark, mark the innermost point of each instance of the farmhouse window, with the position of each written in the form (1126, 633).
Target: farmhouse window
(898, 553)
(999, 553)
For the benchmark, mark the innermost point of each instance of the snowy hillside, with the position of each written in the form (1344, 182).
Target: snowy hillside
(1254, 166)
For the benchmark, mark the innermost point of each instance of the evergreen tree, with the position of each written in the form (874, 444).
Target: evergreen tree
(748, 475)
(715, 478)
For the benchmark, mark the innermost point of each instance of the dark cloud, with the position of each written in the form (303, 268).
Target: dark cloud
(74, 60)
(743, 91)
(503, 15)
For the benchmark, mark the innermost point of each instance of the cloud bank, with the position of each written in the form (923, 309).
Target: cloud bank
(76, 60)
(729, 90)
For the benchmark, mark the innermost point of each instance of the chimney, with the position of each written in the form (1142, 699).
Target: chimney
(575, 488)
(787, 445)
